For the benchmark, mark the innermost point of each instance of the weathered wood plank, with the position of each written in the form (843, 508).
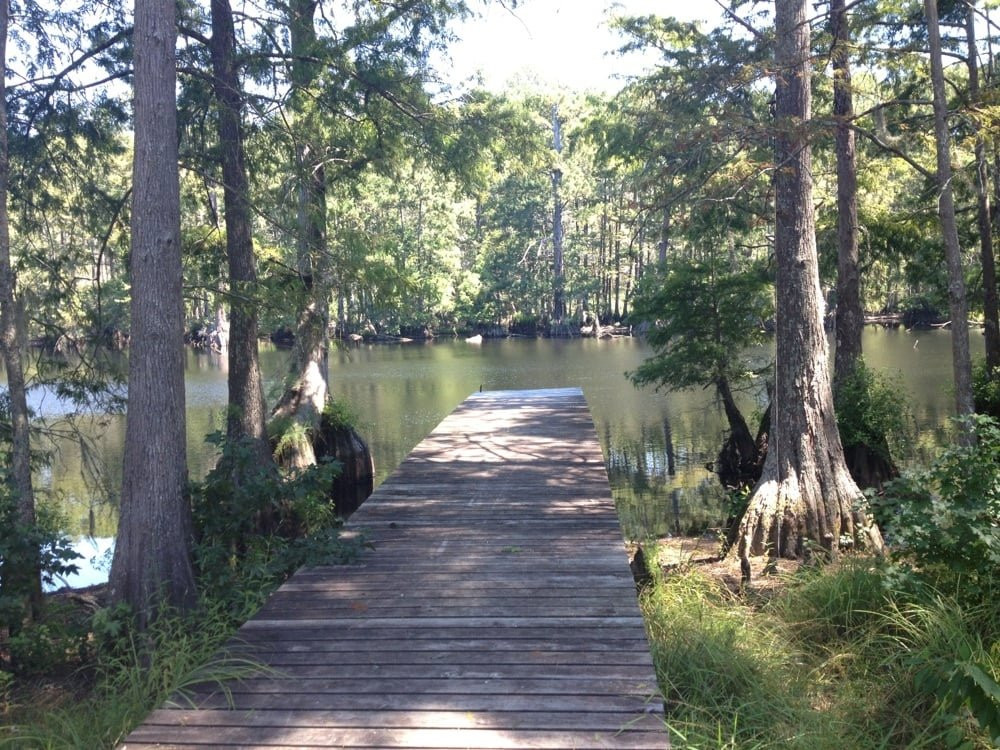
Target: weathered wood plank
(495, 610)
(547, 720)
(454, 658)
(628, 706)
(449, 737)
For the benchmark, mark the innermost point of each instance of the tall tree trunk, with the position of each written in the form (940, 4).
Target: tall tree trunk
(246, 415)
(961, 360)
(850, 317)
(152, 562)
(991, 307)
(664, 243)
(558, 279)
(21, 575)
(805, 491)
(304, 400)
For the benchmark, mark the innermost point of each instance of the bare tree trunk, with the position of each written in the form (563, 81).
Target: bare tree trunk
(246, 416)
(152, 562)
(961, 359)
(24, 575)
(991, 307)
(558, 279)
(664, 243)
(805, 491)
(850, 317)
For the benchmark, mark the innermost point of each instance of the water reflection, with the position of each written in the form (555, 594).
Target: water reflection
(657, 445)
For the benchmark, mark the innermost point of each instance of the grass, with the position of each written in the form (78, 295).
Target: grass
(98, 705)
(829, 658)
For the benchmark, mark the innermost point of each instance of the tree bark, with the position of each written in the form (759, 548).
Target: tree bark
(558, 277)
(961, 359)
(737, 464)
(991, 306)
(246, 415)
(664, 243)
(304, 400)
(23, 574)
(805, 492)
(152, 561)
(850, 317)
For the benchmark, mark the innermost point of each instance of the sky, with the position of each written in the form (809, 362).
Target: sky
(560, 42)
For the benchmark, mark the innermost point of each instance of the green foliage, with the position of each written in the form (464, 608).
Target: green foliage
(23, 550)
(134, 673)
(339, 413)
(6, 683)
(833, 658)
(250, 536)
(36, 649)
(823, 607)
(288, 436)
(986, 390)
(943, 520)
(701, 317)
(948, 663)
(872, 411)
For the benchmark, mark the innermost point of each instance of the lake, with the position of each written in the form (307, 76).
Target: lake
(657, 446)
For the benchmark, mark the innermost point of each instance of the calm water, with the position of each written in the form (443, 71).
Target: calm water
(656, 445)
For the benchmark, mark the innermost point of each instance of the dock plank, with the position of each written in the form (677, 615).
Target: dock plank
(495, 608)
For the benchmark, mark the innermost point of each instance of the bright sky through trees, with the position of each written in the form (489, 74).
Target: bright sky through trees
(562, 42)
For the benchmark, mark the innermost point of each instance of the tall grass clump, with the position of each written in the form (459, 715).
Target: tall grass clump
(729, 676)
(133, 673)
(832, 604)
(833, 658)
(941, 662)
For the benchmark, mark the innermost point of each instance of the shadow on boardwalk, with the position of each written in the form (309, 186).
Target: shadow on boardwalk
(496, 610)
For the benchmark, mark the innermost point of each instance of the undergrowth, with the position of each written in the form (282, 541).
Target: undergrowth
(131, 674)
(835, 659)
(88, 685)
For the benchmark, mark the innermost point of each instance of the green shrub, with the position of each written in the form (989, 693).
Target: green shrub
(339, 413)
(943, 521)
(6, 683)
(135, 673)
(36, 649)
(24, 548)
(986, 390)
(872, 410)
(252, 535)
(943, 524)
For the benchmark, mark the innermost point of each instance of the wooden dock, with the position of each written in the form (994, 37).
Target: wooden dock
(497, 609)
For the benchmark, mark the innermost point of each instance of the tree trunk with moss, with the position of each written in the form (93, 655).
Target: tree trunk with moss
(299, 410)
(298, 415)
(805, 495)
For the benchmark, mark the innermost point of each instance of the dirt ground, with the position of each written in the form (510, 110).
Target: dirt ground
(705, 553)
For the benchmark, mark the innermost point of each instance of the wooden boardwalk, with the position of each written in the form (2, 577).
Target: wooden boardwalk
(497, 609)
